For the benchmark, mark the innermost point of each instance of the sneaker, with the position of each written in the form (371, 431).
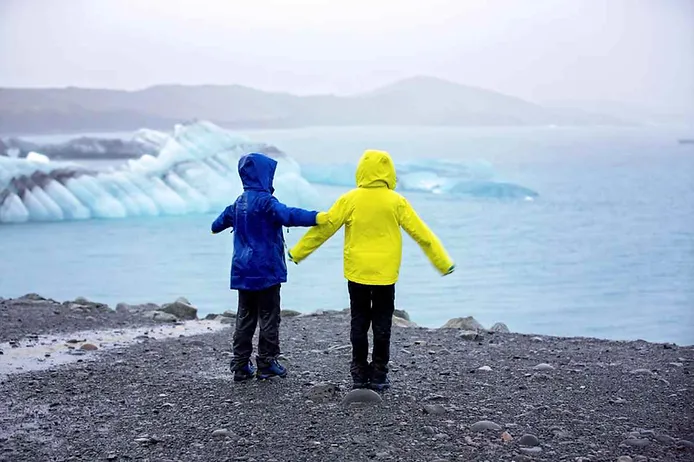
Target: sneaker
(361, 376)
(243, 373)
(272, 369)
(379, 382)
(359, 383)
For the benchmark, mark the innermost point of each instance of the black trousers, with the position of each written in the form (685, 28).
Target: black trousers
(254, 305)
(370, 306)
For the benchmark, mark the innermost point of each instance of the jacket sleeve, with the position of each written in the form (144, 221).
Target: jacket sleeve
(224, 220)
(425, 238)
(291, 216)
(329, 223)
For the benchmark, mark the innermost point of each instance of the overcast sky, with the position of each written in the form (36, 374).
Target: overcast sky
(543, 50)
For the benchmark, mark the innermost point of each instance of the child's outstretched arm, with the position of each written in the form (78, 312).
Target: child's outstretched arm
(427, 240)
(330, 222)
(224, 220)
(293, 216)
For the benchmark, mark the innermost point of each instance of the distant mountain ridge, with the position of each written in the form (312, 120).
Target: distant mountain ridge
(413, 101)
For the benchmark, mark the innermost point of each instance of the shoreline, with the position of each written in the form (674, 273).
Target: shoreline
(457, 395)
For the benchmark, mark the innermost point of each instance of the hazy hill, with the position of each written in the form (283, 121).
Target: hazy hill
(415, 101)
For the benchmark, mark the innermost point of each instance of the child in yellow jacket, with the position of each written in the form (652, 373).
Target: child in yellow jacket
(373, 214)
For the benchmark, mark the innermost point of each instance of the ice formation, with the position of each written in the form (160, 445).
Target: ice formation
(455, 178)
(192, 170)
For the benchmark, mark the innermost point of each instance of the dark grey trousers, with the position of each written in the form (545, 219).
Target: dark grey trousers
(257, 305)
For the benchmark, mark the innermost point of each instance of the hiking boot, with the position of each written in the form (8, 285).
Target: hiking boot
(379, 381)
(361, 376)
(272, 368)
(243, 373)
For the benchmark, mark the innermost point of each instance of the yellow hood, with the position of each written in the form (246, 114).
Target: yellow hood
(376, 169)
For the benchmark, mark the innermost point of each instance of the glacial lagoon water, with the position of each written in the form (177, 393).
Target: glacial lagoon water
(605, 249)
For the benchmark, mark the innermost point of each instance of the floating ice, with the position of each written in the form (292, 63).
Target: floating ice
(36, 157)
(193, 170)
(455, 178)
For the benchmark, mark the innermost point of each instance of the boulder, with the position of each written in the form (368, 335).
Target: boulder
(466, 323)
(434, 409)
(212, 316)
(229, 314)
(289, 314)
(401, 322)
(78, 308)
(88, 305)
(484, 425)
(529, 440)
(323, 313)
(500, 328)
(160, 316)
(136, 309)
(470, 335)
(181, 308)
(361, 396)
(221, 433)
(322, 392)
(402, 314)
(33, 297)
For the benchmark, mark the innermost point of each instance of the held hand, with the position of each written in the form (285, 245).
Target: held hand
(321, 218)
(291, 259)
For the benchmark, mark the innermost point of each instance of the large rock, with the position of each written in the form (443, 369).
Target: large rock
(323, 313)
(289, 314)
(361, 396)
(88, 305)
(181, 308)
(471, 335)
(136, 309)
(434, 409)
(500, 328)
(484, 425)
(401, 322)
(160, 316)
(322, 392)
(529, 440)
(402, 314)
(33, 297)
(466, 323)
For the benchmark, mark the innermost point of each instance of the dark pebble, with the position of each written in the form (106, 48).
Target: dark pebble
(529, 440)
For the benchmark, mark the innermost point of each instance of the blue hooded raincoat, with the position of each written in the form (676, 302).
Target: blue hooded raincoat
(257, 218)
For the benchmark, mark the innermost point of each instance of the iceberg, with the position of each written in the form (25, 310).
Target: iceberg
(192, 170)
(449, 177)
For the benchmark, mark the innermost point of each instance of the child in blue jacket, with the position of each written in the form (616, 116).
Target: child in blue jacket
(258, 267)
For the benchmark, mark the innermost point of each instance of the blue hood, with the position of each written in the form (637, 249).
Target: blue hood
(257, 172)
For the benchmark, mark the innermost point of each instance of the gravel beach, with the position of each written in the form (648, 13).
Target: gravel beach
(458, 395)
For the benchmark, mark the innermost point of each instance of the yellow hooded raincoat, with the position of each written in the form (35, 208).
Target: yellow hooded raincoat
(373, 214)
